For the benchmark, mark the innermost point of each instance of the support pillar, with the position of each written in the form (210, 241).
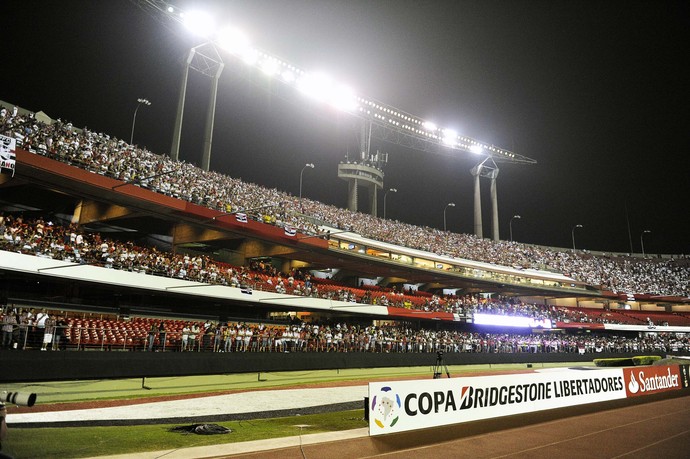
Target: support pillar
(494, 205)
(210, 117)
(206, 60)
(487, 168)
(177, 130)
(477, 203)
(352, 195)
(373, 201)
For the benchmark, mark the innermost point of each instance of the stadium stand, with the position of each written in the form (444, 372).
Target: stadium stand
(579, 330)
(101, 154)
(51, 240)
(112, 333)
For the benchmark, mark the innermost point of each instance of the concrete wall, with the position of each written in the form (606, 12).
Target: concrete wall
(28, 366)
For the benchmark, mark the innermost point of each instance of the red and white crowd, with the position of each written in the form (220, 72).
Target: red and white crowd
(101, 154)
(53, 330)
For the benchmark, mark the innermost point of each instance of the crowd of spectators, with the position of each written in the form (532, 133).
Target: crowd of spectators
(47, 239)
(53, 330)
(101, 154)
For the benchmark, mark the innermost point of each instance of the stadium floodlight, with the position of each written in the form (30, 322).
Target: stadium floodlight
(288, 76)
(233, 41)
(429, 126)
(450, 204)
(450, 137)
(476, 149)
(250, 56)
(316, 86)
(390, 124)
(270, 66)
(199, 23)
(321, 87)
(343, 98)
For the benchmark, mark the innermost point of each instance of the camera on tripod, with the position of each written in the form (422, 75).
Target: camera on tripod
(18, 398)
(440, 366)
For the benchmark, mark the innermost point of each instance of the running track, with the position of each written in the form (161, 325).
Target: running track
(658, 429)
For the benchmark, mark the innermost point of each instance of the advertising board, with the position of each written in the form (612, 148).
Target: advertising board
(408, 405)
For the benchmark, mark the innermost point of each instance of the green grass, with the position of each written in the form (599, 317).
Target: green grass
(74, 442)
(113, 389)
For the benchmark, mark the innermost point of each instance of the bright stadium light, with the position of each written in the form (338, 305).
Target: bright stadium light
(317, 86)
(343, 98)
(233, 41)
(288, 76)
(250, 56)
(270, 66)
(199, 23)
(393, 125)
(476, 149)
(429, 126)
(450, 137)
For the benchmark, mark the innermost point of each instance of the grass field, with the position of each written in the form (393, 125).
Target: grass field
(74, 442)
(113, 389)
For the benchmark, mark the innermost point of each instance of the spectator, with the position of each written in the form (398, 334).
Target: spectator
(153, 331)
(161, 336)
(48, 332)
(9, 322)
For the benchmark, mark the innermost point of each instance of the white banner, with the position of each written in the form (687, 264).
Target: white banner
(7, 155)
(408, 405)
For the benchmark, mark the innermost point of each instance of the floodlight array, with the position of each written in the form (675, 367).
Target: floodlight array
(321, 88)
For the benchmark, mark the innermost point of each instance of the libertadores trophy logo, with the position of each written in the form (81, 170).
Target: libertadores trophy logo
(385, 407)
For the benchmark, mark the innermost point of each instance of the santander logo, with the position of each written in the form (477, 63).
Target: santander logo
(633, 386)
(650, 380)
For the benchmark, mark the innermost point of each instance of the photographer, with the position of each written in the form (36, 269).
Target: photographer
(3, 430)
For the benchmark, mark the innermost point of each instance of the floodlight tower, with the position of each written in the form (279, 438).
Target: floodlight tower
(488, 169)
(206, 60)
(379, 120)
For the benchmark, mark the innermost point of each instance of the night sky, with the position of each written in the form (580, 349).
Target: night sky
(598, 92)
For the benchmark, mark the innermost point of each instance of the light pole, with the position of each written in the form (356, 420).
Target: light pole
(310, 165)
(642, 240)
(573, 234)
(450, 204)
(510, 224)
(392, 190)
(140, 102)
